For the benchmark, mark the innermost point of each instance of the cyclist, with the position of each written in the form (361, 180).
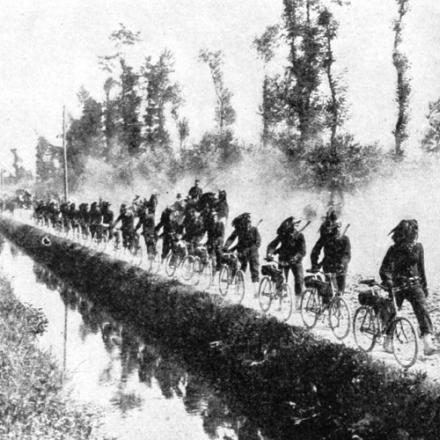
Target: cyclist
(337, 253)
(73, 217)
(195, 192)
(126, 217)
(290, 245)
(194, 230)
(403, 263)
(216, 236)
(84, 216)
(146, 220)
(107, 218)
(170, 226)
(248, 242)
(95, 219)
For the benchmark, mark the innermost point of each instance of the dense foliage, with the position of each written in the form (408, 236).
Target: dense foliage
(31, 402)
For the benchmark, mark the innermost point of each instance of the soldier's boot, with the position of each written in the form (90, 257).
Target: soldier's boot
(388, 344)
(428, 347)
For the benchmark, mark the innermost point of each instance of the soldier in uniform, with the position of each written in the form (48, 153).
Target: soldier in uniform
(147, 222)
(95, 220)
(404, 267)
(84, 217)
(195, 192)
(170, 227)
(126, 217)
(107, 218)
(194, 230)
(216, 236)
(290, 246)
(248, 241)
(337, 252)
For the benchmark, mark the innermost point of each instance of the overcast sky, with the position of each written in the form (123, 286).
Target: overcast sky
(49, 48)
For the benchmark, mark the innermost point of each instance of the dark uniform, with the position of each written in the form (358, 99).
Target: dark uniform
(64, 210)
(126, 218)
(402, 261)
(84, 217)
(107, 218)
(216, 236)
(73, 216)
(290, 246)
(248, 242)
(194, 230)
(195, 192)
(337, 253)
(147, 222)
(170, 228)
(95, 220)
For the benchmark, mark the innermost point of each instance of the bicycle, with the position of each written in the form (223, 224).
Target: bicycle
(268, 292)
(370, 326)
(175, 257)
(313, 304)
(203, 272)
(230, 278)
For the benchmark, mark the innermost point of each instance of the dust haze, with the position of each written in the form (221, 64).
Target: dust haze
(260, 184)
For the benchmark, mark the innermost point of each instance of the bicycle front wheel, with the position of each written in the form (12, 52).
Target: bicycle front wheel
(239, 287)
(265, 294)
(187, 267)
(310, 307)
(285, 303)
(171, 264)
(405, 342)
(206, 276)
(197, 271)
(365, 328)
(223, 280)
(339, 317)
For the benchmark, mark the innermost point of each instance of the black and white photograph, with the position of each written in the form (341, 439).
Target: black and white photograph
(220, 220)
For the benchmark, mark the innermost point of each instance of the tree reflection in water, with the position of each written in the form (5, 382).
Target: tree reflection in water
(153, 363)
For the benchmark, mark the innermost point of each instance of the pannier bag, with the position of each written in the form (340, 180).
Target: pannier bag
(367, 298)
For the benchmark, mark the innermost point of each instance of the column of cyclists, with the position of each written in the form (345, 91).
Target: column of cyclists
(189, 242)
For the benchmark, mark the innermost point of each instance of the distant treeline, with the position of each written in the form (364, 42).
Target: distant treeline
(303, 111)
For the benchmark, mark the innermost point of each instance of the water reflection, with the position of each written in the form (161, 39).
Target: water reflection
(135, 364)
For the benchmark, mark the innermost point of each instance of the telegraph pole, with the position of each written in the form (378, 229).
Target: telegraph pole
(66, 192)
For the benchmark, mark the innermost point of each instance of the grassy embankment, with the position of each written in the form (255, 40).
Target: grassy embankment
(32, 404)
(312, 388)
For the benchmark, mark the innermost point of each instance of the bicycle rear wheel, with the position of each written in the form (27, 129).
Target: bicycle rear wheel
(405, 342)
(339, 318)
(310, 307)
(265, 294)
(239, 287)
(224, 278)
(365, 328)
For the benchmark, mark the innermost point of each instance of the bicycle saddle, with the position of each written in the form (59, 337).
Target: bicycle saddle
(368, 282)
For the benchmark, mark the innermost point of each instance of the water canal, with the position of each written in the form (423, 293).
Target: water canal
(143, 389)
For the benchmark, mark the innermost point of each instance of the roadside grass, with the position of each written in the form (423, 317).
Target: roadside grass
(32, 402)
